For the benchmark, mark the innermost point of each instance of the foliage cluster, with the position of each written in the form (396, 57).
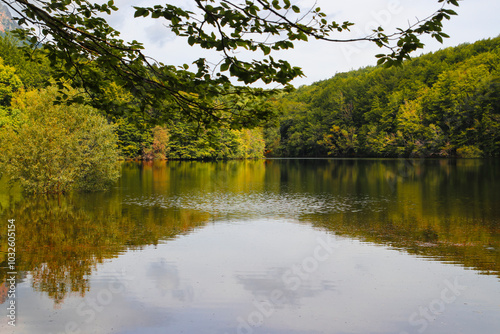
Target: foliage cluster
(185, 141)
(442, 104)
(55, 148)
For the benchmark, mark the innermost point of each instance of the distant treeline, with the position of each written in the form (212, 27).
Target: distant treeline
(442, 104)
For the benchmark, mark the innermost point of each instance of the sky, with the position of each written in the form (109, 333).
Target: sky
(320, 60)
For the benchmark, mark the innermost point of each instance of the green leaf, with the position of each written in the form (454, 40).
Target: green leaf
(266, 49)
(140, 11)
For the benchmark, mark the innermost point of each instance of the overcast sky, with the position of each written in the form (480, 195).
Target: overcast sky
(477, 19)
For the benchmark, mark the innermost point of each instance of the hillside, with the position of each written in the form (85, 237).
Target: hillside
(6, 21)
(441, 104)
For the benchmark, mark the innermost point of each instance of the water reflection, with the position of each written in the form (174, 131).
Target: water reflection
(166, 280)
(447, 210)
(263, 285)
(60, 240)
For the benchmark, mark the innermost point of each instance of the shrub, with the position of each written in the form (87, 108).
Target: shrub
(469, 152)
(56, 148)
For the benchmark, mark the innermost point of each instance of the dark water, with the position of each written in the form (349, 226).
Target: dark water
(267, 246)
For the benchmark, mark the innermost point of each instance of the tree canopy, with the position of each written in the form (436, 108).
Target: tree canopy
(87, 51)
(442, 104)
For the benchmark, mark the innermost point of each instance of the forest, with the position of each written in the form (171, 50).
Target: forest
(442, 104)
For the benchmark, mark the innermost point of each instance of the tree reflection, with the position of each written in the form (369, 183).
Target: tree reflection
(60, 240)
(443, 209)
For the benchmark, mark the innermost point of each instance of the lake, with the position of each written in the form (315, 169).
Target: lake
(262, 246)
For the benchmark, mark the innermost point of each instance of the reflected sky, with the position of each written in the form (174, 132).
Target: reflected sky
(292, 279)
(278, 246)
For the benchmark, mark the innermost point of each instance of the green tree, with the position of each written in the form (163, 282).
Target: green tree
(188, 142)
(341, 142)
(57, 148)
(250, 144)
(33, 67)
(9, 84)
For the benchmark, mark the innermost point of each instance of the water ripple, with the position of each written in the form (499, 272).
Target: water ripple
(260, 204)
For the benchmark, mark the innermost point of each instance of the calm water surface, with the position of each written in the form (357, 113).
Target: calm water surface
(267, 246)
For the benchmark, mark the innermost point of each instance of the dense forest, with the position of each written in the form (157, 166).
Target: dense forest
(442, 104)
